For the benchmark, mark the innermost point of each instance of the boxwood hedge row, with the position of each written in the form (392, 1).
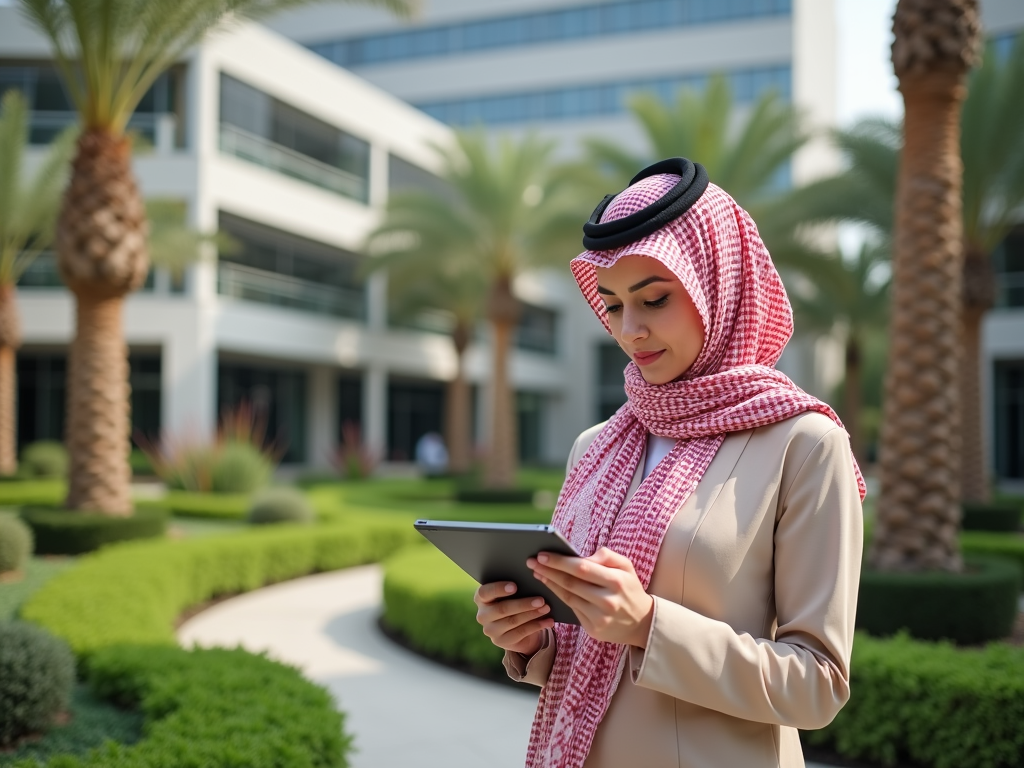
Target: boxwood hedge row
(212, 708)
(132, 593)
(931, 704)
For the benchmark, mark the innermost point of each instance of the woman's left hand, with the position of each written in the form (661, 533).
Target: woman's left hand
(603, 591)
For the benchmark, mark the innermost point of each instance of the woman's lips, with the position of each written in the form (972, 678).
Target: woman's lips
(646, 358)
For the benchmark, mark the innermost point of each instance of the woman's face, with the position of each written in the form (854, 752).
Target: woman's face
(651, 316)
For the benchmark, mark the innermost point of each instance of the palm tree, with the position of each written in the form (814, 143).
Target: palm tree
(109, 53)
(935, 44)
(744, 158)
(850, 295)
(992, 148)
(455, 285)
(509, 211)
(28, 211)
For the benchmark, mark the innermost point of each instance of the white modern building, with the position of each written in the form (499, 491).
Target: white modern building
(1003, 341)
(293, 158)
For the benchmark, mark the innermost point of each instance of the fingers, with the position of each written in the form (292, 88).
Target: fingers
(602, 569)
(509, 621)
(488, 593)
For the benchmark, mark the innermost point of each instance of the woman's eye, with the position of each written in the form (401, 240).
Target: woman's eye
(657, 302)
(611, 309)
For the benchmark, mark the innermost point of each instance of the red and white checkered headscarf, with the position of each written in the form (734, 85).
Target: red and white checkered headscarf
(716, 253)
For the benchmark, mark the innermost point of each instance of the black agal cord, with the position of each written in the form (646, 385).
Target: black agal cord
(672, 205)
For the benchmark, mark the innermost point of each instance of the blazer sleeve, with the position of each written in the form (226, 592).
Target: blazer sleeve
(535, 669)
(801, 678)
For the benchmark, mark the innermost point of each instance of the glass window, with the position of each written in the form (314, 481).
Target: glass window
(414, 408)
(611, 393)
(537, 330)
(277, 397)
(530, 418)
(1009, 419)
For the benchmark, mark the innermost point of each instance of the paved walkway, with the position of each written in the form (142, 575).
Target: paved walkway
(403, 710)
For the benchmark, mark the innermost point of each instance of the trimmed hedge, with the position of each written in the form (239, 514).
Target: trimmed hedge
(429, 601)
(218, 506)
(37, 672)
(133, 592)
(971, 607)
(998, 516)
(932, 704)
(61, 532)
(1006, 545)
(213, 708)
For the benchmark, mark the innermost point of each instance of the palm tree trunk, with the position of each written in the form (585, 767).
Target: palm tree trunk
(502, 458)
(978, 297)
(102, 256)
(10, 340)
(852, 401)
(919, 505)
(98, 419)
(457, 409)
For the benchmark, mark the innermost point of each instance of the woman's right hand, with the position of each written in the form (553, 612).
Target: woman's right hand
(513, 624)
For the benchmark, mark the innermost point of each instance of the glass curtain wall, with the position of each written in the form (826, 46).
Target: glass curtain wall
(414, 408)
(273, 267)
(42, 394)
(277, 397)
(52, 112)
(263, 130)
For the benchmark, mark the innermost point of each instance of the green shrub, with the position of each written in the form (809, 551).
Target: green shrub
(140, 464)
(429, 601)
(281, 505)
(37, 672)
(32, 493)
(15, 544)
(221, 506)
(997, 516)
(214, 708)
(1006, 545)
(45, 458)
(133, 592)
(495, 495)
(931, 704)
(240, 468)
(62, 532)
(971, 607)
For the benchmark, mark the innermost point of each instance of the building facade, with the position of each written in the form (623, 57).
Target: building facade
(292, 159)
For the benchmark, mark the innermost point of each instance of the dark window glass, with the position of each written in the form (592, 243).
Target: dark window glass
(42, 392)
(1009, 419)
(274, 267)
(350, 403)
(277, 397)
(403, 176)
(530, 420)
(1008, 262)
(414, 408)
(611, 362)
(537, 330)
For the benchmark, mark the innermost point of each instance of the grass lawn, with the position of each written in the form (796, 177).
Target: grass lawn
(434, 499)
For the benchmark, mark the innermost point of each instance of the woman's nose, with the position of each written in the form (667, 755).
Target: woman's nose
(633, 327)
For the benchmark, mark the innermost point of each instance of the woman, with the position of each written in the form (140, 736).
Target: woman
(719, 512)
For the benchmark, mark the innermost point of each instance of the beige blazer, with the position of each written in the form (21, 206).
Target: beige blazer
(755, 593)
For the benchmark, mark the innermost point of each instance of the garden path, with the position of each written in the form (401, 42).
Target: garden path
(403, 710)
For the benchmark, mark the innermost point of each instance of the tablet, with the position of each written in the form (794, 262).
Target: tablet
(498, 551)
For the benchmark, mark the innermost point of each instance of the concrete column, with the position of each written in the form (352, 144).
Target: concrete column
(189, 380)
(322, 415)
(375, 410)
(377, 302)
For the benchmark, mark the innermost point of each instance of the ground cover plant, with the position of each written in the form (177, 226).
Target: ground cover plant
(37, 572)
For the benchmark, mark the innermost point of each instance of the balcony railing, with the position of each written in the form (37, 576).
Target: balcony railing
(256, 149)
(250, 284)
(1010, 290)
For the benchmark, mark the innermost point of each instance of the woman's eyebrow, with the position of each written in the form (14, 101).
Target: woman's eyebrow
(634, 288)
